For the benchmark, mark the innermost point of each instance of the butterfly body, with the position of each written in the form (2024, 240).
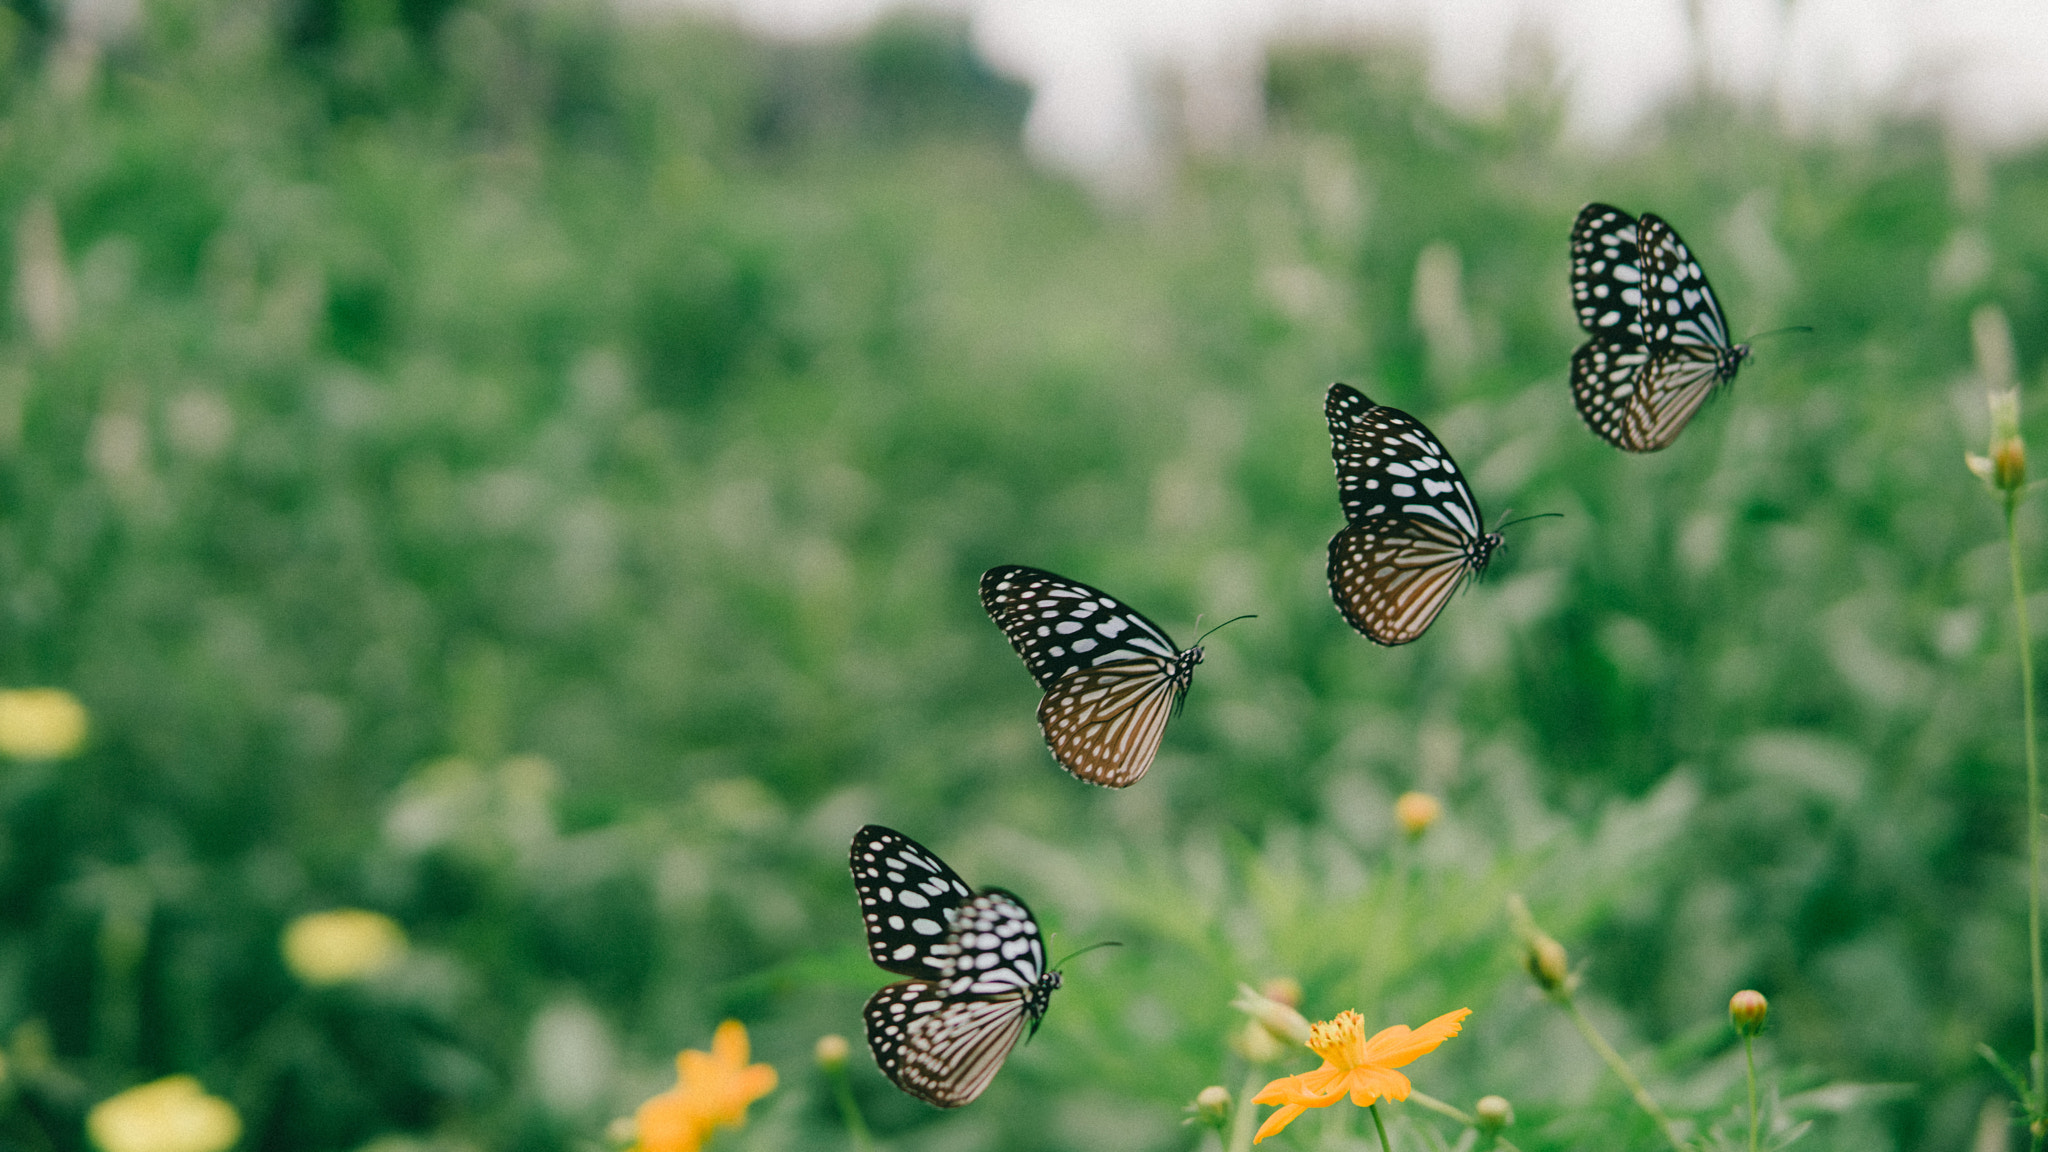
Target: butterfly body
(1658, 343)
(1413, 530)
(1111, 677)
(977, 964)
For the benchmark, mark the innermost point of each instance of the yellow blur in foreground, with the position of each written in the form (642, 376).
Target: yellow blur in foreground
(173, 1114)
(341, 945)
(40, 723)
(712, 1091)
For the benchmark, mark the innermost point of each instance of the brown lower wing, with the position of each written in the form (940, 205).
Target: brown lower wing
(1104, 724)
(1391, 575)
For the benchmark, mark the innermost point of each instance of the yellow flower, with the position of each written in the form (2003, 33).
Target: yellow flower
(1354, 1066)
(341, 945)
(173, 1114)
(41, 723)
(712, 1090)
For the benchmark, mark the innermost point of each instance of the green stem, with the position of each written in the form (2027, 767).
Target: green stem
(1621, 1069)
(1386, 1145)
(1241, 1117)
(2038, 1063)
(1749, 1054)
(849, 1110)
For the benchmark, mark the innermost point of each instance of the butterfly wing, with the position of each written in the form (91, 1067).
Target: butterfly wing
(908, 900)
(1104, 724)
(1388, 463)
(1679, 306)
(1391, 575)
(1607, 272)
(1059, 625)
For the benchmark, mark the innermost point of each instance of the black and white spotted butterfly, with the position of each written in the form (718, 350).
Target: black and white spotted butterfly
(1413, 527)
(1111, 677)
(976, 964)
(1659, 343)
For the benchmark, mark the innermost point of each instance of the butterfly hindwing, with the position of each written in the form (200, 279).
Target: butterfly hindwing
(908, 899)
(1414, 528)
(1104, 724)
(1111, 677)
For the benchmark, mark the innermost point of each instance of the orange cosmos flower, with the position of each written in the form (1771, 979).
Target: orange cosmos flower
(1354, 1066)
(712, 1090)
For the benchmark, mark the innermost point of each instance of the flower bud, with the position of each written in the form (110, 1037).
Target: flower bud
(1286, 1025)
(830, 1052)
(1416, 811)
(1212, 1105)
(1746, 1011)
(1546, 960)
(1256, 1044)
(1542, 957)
(1493, 1113)
(1284, 989)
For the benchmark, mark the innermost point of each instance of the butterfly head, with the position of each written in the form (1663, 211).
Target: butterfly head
(1040, 998)
(1481, 553)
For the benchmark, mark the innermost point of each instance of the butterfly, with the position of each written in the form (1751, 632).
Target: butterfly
(1111, 677)
(976, 965)
(1413, 527)
(1659, 343)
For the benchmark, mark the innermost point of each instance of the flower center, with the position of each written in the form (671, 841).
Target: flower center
(1340, 1041)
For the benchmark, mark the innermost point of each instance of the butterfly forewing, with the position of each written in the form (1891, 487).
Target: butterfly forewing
(908, 901)
(1058, 625)
(1389, 464)
(999, 952)
(1415, 529)
(1606, 270)
(1679, 304)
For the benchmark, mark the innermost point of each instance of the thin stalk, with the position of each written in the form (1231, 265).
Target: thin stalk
(2038, 1064)
(1386, 1145)
(1749, 1054)
(1621, 1069)
(849, 1110)
(1241, 1117)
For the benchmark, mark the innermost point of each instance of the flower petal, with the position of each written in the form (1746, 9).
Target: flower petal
(1395, 1046)
(1278, 1120)
(1316, 1089)
(729, 1044)
(1369, 1084)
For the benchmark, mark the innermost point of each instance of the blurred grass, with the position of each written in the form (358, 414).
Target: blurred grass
(527, 473)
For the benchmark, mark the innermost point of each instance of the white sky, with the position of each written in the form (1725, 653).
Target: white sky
(1982, 64)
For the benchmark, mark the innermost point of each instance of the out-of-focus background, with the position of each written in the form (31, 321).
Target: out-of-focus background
(523, 468)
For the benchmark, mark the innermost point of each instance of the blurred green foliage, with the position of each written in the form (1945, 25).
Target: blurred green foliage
(526, 471)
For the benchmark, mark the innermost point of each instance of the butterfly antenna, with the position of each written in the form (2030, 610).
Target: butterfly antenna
(1779, 332)
(1525, 519)
(1090, 948)
(1232, 620)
